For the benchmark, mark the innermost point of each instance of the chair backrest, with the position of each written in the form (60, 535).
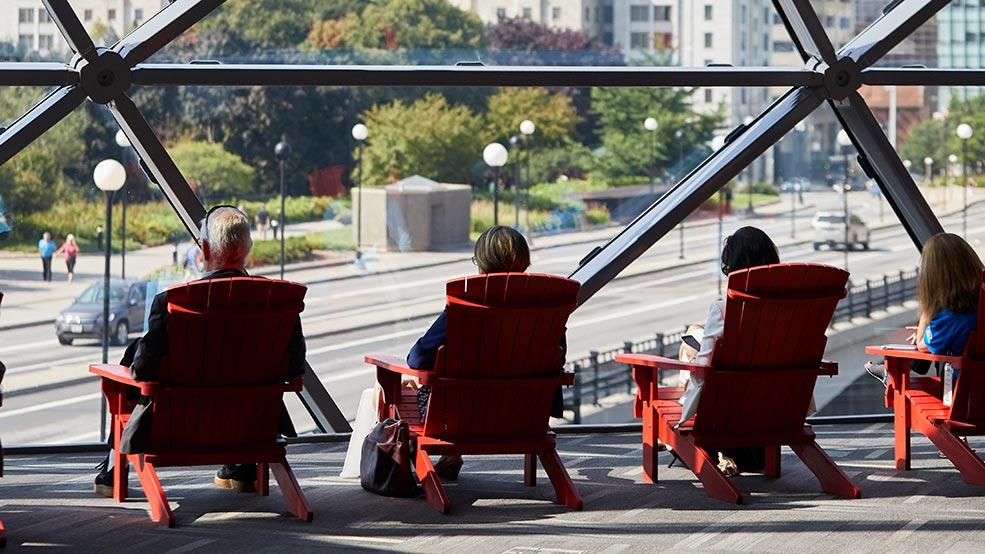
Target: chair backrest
(222, 380)
(768, 356)
(503, 329)
(968, 405)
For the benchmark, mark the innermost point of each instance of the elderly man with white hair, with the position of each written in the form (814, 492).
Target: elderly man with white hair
(226, 243)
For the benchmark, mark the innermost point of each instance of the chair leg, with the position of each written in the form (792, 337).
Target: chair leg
(772, 461)
(901, 431)
(530, 470)
(294, 498)
(263, 479)
(564, 489)
(434, 493)
(833, 479)
(716, 484)
(650, 444)
(160, 511)
(971, 467)
(120, 482)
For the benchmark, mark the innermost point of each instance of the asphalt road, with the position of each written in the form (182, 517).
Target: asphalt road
(51, 400)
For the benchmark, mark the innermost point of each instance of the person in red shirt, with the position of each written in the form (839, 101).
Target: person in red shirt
(70, 249)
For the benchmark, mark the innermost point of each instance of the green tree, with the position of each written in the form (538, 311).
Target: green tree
(927, 138)
(212, 170)
(36, 178)
(553, 114)
(428, 137)
(413, 24)
(276, 23)
(628, 148)
(972, 112)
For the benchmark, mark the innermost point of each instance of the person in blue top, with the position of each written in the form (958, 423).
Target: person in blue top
(950, 274)
(46, 247)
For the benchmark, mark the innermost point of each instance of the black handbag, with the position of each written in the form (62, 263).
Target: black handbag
(385, 468)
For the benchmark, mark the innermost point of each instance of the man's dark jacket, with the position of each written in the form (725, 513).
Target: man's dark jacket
(144, 356)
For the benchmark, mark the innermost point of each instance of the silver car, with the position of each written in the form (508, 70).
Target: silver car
(829, 229)
(84, 318)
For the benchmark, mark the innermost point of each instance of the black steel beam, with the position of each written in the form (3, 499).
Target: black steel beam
(890, 29)
(320, 405)
(908, 76)
(438, 76)
(24, 74)
(165, 26)
(159, 164)
(887, 169)
(71, 28)
(806, 30)
(45, 115)
(697, 187)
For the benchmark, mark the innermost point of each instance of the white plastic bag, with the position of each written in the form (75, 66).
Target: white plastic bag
(367, 415)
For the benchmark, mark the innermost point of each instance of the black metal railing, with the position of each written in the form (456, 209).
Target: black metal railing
(598, 375)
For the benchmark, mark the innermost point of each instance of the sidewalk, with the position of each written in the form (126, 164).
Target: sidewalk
(31, 301)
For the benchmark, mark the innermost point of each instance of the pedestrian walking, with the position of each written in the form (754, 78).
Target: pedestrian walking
(193, 262)
(69, 249)
(46, 247)
(263, 221)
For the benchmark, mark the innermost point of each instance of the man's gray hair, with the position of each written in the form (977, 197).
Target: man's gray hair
(227, 230)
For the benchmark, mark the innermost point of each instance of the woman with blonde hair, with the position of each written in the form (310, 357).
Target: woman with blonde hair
(947, 291)
(70, 249)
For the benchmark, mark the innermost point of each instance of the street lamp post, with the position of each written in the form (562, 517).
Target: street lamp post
(495, 155)
(359, 132)
(109, 177)
(650, 124)
(928, 164)
(845, 141)
(527, 129)
(515, 147)
(952, 160)
(282, 150)
(964, 132)
(124, 143)
(749, 177)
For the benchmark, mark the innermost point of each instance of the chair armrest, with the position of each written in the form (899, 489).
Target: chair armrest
(296, 384)
(828, 367)
(396, 364)
(567, 378)
(660, 362)
(121, 374)
(911, 355)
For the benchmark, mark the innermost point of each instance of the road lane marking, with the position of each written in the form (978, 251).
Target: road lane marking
(638, 310)
(28, 346)
(368, 340)
(48, 405)
(92, 358)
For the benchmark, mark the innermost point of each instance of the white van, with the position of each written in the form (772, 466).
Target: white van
(829, 229)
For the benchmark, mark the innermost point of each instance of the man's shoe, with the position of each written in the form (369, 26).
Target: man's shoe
(104, 479)
(239, 477)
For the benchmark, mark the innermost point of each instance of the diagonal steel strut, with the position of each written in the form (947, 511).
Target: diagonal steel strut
(45, 115)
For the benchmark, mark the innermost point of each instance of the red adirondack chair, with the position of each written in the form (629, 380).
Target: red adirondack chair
(917, 402)
(759, 385)
(220, 389)
(493, 381)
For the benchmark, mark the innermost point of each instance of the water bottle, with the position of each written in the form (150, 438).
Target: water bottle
(948, 384)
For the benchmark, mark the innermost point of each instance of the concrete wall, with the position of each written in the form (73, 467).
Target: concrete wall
(413, 219)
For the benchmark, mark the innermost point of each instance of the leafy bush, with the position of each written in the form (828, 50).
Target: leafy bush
(298, 209)
(759, 188)
(597, 216)
(212, 169)
(267, 252)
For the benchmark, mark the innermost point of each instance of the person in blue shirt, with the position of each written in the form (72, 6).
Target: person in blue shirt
(46, 247)
(947, 290)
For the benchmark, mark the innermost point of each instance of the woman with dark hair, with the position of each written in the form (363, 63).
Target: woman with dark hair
(747, 247)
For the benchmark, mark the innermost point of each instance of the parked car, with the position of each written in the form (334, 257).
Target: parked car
(829, 229)
(84, 318)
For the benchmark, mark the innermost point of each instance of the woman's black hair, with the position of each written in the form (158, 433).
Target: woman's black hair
(748, 247)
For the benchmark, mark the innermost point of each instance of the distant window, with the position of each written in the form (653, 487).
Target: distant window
(597, 14)
(607, 14)
(708, 62)
(845, 23)
(556, 13)
(708, 98)
(501, 13)
(777, 20)
(25, 42)
(43, 16)
(138, 14)
(607, 38)
(639, 13)
(111, 15)
(708, 12)
(87, 15)
(25, 15)
(639, 41)
(661, 13)
(782, 46)
(829, 21)
(46, 42)
(743, 97)
(708, 40)
(663, 40)
(588, 14)
(970, 37)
